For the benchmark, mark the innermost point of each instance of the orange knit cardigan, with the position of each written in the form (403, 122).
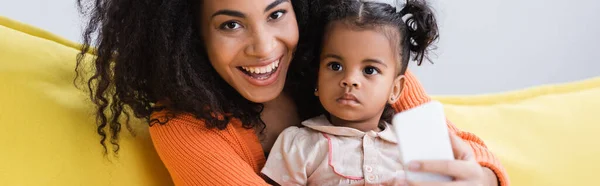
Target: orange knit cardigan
(195, 155)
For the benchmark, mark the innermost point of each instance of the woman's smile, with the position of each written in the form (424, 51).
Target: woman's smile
(263, 74)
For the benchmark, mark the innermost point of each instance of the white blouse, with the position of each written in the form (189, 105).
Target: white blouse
(323, 154)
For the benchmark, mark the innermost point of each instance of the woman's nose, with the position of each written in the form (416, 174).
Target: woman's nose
(263, 44)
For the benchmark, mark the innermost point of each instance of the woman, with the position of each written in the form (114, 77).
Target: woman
(209, 77)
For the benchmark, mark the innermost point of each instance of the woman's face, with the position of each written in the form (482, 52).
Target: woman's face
(250, 43)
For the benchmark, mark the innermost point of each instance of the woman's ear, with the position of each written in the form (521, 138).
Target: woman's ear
(397, 87)
(317, 92)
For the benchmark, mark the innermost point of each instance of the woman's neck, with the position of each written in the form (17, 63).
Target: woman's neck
(278, 114)
(279, 101)
(362, 125)
(281, 105)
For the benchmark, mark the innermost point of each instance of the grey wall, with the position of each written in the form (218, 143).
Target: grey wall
(60, 17)
(486, 46)
(499, 45)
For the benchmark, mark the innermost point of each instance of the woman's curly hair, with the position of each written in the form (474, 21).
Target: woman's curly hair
(150, 51)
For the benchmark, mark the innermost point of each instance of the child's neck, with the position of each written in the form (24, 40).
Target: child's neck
(371, 124)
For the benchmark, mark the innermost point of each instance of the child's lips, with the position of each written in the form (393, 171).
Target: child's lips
(348, 98)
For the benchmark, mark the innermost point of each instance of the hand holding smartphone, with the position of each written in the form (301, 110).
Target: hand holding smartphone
(422, 134)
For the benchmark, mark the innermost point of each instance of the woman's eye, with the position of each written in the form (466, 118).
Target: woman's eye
(232, 25)
(371, 71)
(335, 66)
(276, 15)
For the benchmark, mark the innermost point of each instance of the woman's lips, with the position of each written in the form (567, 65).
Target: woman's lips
(263, 75)
(261, 70)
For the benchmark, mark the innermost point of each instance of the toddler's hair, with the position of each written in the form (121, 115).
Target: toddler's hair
(415, 24)
(414, 28)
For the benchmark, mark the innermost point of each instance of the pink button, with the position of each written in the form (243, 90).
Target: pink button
(369, 168)
(371, 178)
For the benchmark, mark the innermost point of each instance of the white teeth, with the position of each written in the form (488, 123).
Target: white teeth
(264, 69)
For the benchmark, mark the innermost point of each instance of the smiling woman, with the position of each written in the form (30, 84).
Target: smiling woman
(213, 74)
(225, 60)
(259, 39)
(217, 80)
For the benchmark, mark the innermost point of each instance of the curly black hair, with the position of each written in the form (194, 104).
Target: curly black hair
(415, 23)
(150, 51)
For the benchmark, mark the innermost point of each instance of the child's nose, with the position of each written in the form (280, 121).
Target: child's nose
(349, 81)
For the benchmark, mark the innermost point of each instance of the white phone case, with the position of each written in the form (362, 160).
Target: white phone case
(423, 135)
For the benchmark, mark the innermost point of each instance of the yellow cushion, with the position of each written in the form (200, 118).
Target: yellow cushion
(543, 136)
(47, 134)
(548, 135)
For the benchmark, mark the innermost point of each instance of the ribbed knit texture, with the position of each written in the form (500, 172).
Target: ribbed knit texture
(195, 155)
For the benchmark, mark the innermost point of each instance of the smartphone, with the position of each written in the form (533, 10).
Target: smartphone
(422, 134)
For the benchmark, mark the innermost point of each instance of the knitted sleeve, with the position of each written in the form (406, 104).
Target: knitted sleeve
(195, 155)
(413, 95)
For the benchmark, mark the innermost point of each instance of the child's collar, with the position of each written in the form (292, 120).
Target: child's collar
(321, 124)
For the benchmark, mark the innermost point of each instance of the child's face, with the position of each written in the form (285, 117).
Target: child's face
(358, 73)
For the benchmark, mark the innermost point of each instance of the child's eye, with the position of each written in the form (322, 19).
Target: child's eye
(277, 14)
(230, 25)
(371, 71)
(334, 66)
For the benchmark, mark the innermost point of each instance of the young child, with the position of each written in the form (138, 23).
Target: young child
(365, 52)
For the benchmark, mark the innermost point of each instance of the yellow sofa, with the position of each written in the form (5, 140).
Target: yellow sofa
(545, 135)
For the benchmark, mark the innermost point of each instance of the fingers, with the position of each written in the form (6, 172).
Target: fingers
(464, 169)
(455, 168)
(461, 150)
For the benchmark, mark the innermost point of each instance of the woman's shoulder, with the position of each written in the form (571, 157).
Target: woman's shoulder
(166, 126)
(185, 132)
(195, 153)
(164, 120)
(171, 119)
